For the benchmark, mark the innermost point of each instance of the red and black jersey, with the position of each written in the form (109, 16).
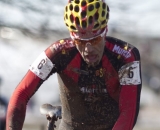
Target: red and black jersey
(102, 97)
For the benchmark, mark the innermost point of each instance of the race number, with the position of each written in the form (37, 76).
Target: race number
(129, 74)
(42, 66)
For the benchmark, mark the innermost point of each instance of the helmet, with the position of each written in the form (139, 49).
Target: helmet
(86, 15)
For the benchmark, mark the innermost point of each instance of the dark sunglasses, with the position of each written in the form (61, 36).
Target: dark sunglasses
(94, 40)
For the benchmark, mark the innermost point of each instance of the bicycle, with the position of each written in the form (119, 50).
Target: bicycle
(52, 113)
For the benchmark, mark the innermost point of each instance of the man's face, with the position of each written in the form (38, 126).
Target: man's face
(91, 50)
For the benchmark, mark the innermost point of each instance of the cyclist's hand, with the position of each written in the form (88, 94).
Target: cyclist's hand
(51, 112)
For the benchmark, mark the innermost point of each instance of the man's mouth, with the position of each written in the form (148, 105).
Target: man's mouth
(91, 58)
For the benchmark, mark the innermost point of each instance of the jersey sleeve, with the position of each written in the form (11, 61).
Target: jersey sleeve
(45, 65)
(130, 83)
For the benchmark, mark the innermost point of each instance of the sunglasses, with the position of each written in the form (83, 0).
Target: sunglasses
(94, 40)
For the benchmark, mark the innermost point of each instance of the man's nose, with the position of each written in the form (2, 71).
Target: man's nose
(88, 47)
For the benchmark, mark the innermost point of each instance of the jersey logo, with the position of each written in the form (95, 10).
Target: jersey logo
(62, 44)
(42, 66)
(129, 74)
(77, 70)
(120, 51)
(101, 72)
(93, 90)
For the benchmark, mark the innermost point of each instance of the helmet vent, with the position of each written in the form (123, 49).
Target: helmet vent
(90, 7)
(103, 22)
(84, 3)
(71, 18)
(77, 21)
(71, 7)
(90, 1)
(72, 27)
(66, 8)
(97, 5)
(70, 1)
(96, 16)
(76, 8)
(103, 13)
(107, 16)
(66, 16)
(84, 24)
(90, 20)
(104, 6)
(77, 1)
(66, 24)
(83, 14)
(96, 25)
(107, 8)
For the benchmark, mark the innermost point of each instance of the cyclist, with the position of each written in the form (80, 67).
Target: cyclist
(99, 76)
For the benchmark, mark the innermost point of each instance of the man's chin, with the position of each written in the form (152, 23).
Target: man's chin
(92, 63)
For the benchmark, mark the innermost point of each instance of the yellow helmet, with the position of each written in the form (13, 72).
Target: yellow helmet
(86, 15)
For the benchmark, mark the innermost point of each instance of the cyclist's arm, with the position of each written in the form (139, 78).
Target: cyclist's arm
(38, 72)
(17, 105)
(129, 100)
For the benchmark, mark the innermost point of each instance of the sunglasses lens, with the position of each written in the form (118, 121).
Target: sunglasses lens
(93, 41)
(78, 41)
(96, 40)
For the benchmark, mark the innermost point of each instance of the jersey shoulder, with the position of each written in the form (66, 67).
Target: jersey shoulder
(62, 45)
(122, 49)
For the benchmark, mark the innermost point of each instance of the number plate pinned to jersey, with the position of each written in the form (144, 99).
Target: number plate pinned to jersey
(42, 66)
(129, 74)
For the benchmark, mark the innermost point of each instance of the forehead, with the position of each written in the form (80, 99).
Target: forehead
(87, 34)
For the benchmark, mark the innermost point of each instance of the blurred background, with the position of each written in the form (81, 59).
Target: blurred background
(28, 27)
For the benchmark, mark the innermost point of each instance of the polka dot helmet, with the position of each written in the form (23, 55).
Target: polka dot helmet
(86, 15)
